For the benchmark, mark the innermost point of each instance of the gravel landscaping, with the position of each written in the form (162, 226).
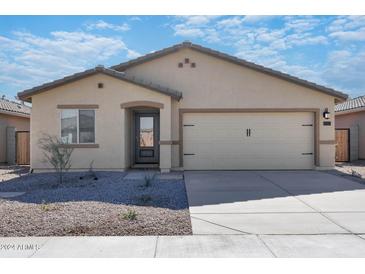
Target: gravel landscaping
(110, 205)
(352, 170)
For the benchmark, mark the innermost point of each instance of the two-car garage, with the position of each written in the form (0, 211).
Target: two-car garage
(248, 140)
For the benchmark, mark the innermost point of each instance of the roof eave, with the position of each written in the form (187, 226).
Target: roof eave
(13, 113)
(348, 111)
(26, 95)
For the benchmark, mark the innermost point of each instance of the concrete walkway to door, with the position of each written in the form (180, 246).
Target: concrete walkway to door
(274, 203)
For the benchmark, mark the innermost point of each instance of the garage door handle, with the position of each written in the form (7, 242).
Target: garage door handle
(248, 132)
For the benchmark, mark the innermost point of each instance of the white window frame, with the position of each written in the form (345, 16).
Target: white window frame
(77, 125)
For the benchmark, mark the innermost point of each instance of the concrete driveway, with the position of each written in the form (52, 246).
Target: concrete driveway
(274, 203)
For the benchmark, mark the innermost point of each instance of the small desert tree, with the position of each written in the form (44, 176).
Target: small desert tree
(56, 153)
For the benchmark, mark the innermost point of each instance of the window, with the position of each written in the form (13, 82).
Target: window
(146, 132)
(69, 126)
(78, 126)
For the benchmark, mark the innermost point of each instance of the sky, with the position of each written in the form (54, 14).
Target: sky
(327, 50)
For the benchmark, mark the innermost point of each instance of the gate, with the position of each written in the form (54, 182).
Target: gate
(342, 145)
(22, 147)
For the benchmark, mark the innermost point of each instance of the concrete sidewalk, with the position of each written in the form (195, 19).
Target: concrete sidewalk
(233, 246)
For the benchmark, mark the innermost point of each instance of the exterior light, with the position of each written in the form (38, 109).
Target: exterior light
(326, 114)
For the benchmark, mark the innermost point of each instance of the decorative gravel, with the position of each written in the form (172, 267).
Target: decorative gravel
(92, 207)
(356, 168)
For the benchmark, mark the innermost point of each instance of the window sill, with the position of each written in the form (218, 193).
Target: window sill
(81, 145)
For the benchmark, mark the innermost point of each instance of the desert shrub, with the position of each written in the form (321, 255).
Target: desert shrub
(130, 215)
(46, 207)
(91, 173)
(148, 179)
(56, 153)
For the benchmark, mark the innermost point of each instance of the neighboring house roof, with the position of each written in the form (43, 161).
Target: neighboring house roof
(27, 94)
(14, 108)
(353, 105)
(232, 59)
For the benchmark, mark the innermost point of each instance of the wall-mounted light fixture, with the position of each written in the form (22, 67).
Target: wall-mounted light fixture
(326, 114)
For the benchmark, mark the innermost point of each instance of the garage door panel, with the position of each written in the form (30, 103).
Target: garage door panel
(220, 141)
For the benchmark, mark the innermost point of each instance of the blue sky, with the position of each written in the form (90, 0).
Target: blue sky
(328, 50)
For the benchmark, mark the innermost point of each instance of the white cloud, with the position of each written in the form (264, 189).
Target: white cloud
(186, 31)
(230, 22)
(195, 20)
(347, 28)
(102, 25)
(355, 35)
(301, 24)
(257, 18)
(345, 69)
(132, 54)
(135, 18)
(343, 23)
(305, 39)
(27, 60)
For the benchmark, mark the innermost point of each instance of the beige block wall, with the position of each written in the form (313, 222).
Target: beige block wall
(110, 120)
(19, 123)
(354, 120)
(215, 83)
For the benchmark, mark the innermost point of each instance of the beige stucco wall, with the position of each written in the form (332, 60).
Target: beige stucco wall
(19, 123)
(352, 121)
(110, 120)
(215, 83)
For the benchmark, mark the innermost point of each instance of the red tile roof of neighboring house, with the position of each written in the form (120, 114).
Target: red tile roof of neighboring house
(357, 103)
(14, 108)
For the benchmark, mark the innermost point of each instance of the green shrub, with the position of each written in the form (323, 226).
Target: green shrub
(130, 215)
(46, 207)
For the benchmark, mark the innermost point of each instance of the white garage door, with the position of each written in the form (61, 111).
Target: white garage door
(248, 141)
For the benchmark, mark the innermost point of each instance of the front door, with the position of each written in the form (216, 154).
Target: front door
(147, 128)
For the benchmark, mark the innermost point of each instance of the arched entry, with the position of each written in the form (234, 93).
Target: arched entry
(144, 130)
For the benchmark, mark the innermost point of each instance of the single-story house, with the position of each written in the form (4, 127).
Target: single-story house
(14, 123)
(186, 107)
(350, 130)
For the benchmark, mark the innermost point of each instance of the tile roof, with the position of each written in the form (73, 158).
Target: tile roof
(353, 104)
(27, 94)
(229, 58)
(15, 108)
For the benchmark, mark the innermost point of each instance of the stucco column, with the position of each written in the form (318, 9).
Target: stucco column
(124, 139)
(165, 138)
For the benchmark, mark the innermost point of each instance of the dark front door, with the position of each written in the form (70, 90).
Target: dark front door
(147, 128)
